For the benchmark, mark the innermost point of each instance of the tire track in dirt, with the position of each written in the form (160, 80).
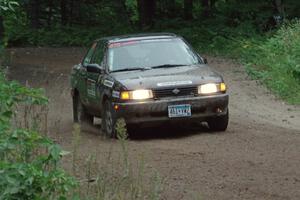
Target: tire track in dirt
(257, 158)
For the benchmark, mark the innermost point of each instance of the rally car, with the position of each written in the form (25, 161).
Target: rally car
(147, 79)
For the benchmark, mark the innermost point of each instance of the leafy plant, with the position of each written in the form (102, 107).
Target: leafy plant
(29, 162)
(276, 62)
(131, 6)
(6, 5)
(116, 177)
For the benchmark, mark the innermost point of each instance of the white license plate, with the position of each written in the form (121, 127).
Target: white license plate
(180, 110)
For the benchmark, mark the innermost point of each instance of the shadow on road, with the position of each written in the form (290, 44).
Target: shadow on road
(165, 131)
(168, 131)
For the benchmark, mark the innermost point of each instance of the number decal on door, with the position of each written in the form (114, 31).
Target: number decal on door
(91, 88)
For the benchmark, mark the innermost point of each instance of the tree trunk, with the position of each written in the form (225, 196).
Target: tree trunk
(206, 4)
(140, 4)
(122, 9)
(146, 10)
(188, 9)
(50, 13)
(280, 7)
(63, 12)
(1, 32)
(73, 15)
(34, 13)
(171, 4)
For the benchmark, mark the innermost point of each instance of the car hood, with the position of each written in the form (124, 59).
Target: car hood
(167, 77)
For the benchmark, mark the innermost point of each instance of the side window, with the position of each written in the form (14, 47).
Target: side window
(88, 56)
(99, 54)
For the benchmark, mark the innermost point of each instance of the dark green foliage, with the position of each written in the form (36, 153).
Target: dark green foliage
(74, 23)
(273, 58)
(59, 36)
(6, 6)
(237, 28)
(276, 60)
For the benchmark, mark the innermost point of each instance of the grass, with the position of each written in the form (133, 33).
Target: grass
(275, 62)
(272, 58)
(108, 176)
(111, 175)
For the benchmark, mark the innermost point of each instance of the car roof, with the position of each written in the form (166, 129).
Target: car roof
(143, 36)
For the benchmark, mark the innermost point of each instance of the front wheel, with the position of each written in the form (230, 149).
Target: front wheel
(219, 123)
(108, 120)
(80, 114)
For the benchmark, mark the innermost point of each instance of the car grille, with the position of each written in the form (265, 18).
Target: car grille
(175, 92)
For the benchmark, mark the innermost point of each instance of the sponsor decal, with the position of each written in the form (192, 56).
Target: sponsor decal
(121, 44)
(108, 83)
(174, 83)
(116, 94)
(132, 42)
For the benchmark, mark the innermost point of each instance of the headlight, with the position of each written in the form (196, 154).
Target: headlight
(211, 88)
(137, 95)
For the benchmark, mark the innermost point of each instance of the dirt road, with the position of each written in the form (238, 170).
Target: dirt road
(257, 158)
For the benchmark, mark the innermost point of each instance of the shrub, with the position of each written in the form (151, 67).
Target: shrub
(29, 162)
(278, 58)
(117, 177)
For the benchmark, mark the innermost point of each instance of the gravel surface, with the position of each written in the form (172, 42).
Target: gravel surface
(257, 158)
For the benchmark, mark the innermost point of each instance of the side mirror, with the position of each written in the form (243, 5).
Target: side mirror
(94, 68)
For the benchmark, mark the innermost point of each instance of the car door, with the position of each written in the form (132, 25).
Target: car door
(82, 74)
(93, 79)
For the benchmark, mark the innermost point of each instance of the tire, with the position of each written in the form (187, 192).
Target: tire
(80, 114)
(219, 123)
(108, 120)
(132, 128)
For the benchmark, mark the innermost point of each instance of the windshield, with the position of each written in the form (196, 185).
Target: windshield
(150, 53)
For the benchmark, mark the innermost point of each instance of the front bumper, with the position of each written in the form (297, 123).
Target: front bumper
(202, 107)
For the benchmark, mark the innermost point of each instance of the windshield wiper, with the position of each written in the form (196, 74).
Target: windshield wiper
(168, 65)
(131, 69)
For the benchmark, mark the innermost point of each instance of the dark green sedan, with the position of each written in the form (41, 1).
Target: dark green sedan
(147, 79)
